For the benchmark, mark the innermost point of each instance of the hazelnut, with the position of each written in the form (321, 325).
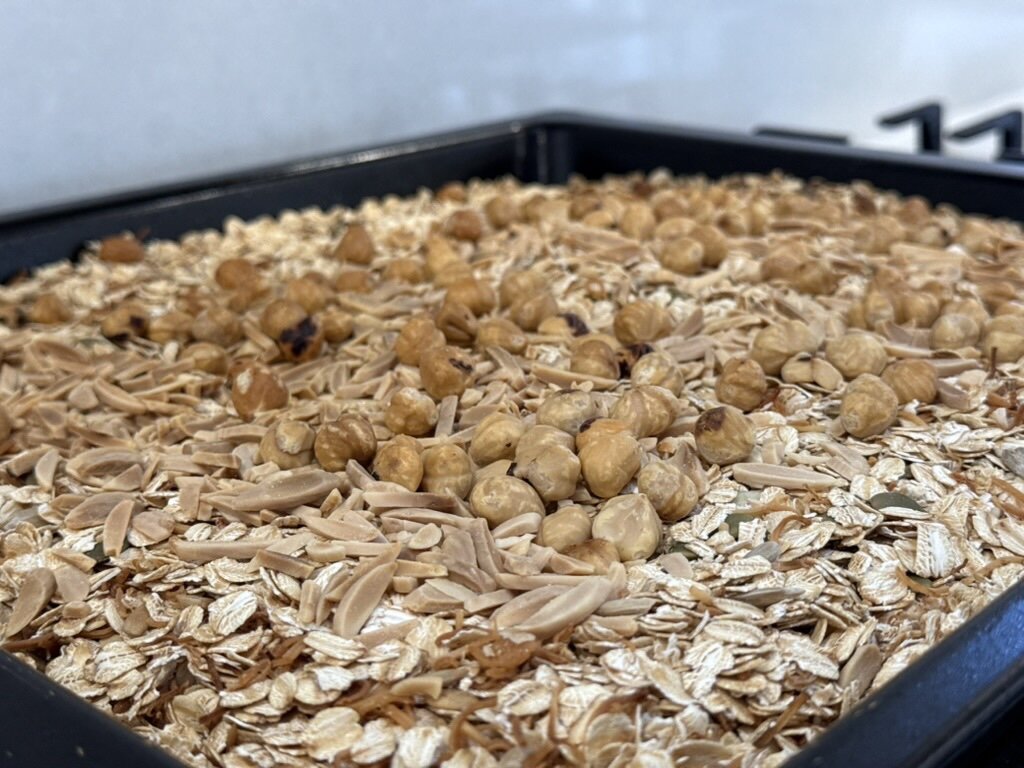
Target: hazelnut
(498, 499)
(496, 437)
(233, 274)
(515, 285)
(856, 353)
(715, 244)
(658, 369)
(452, 192)
(399, 461)
(170, 326)
(554, 472)
(217, 325)
(596, 430)
(567, 411)
(565, 528)
(48, 309)
(1005, 324)
(445, 371)
(875, 309)
(280, 315)
(582, 204)
(878, 235)
(774, 345)
(410, 412)
(784, 260)
(310, 291)
(452, 273)
(502, 333)
(289, 444)
(255, 388)
(594, 357)
(683, 255)
(674, 228)
(917, 309)
(648, 410)
(337, 325)
(475, 294)
(977, 235)
(302, 342)
(440, 255)
(349, 438)
(121, 249)
(567, 325)
(995, 294)
(637, 221)
(609, 464)
(206, 357)
(241, 299)
(741, 384)
(533, 309)
(417, 336)
(405, 270)
(6, 425)
(631, 525)
(356, 246)
(816, 278)
(599, 553)
(640, 321)
(600, 219)
(912, 380)
(456, 322)
(128, 319)
(668, 205)
(799, 369)
(954, 331)
(447, 470)
(464, 225)
(1003, 346)
(354, 281)
(501, 211)
(869, 406)
(1015, 308)
(535, 439)
(670, 491)
(724, 435)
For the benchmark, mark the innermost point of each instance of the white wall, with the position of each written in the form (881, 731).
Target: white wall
(105, 95)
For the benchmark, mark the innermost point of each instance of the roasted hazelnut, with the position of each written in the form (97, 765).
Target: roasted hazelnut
(816, 278)
(170, 326)
(594, 357)
(1015, 308)
(280, 315)
(464, 225)
(496, 437)
(452, 273)
(6, 425)
(502, 333)
(410, 412)
(977, 235)
(497, 499)
(532, 309)
(600, 553)
(784, 260)
(456, 322)
(667, 204)
(445, 371)
(1003, 346)
(1005, 324)
(715, 244)
(637, 221)
(400, 461)
(233, 274)
(128, 319)
(535, 439)
(349, 438)
(674, 228)
(48, 309)
(648, 410)
(447, 470)
(582, 204)
(356, 246)
(869, 406)
(775, 344)
(970, 307)
(600, 219)
(501, 211)
(475, 294)
(452, 192)
(917, 308)
(337, 325)
(289, 444)
(242, 299)
(953, 331)
(255, 388)
(514, 285)
(856, 353)
(609, 464)
(440, 255)
(567, 411)
(553, 472)
(405, 270)
(217, 325)
(417, 336)
(683, 255)
(670, 491)
(641, 321)
(597, 430)
(875, 309)
(912, 380)
(121, 249)
(565, 528)
(724, 435)
(658, 369)
(206, 357)
(301, 342)
(878, 235)
(799, 369)
(310, 291)
(630, 523)
(741, 384)
(354, 281)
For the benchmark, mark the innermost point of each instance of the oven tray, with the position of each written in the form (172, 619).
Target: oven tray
(956, 706)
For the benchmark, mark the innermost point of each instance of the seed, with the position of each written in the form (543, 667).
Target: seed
(399, 461)
(775, 344)
(535, 439)
(856, 353)
(869, 406)
(405, 270)
(641, 321)
(337, 325)
(354, 281)
(447, 470)
(672, 493)
(912, 380)
(410, 412)
(128, 319)
(683, 255)
(515, 285)
(953, 331)
(637, 221)
(456, 322)
(417, 336)
(657, 369)
(608, 465)
(532, 309)
(632, 526)
(48, 309)
(599, 553)
(217, 325)
(445, 371)
(206, 357)
(289, 444)
(742, 384)
(170, 326)
(567, 411)
(594, 357)
(553, 472)
(121, 249)
(499, 499)
(724, 435)
(280, 315)
(349, 438)
(356, 246)
(565, 528)
(502, 333)
(648, 410)
(464, 225)
(254, 388)
(475, 294)
(501, 211)
(236, 273)
(496, 437)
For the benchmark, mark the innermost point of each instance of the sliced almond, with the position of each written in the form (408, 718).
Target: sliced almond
(115, 527)
(362, 598)
(36, 590)
(790, 478)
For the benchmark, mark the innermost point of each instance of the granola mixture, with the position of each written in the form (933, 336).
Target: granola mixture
(647, 471)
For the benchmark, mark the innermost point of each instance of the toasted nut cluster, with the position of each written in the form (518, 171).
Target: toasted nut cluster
(568, 411)
(496, 437)
(447, 470)
(349, 438)
(648, 410)
(356, 246)
(502, 333)
(500, 498)
(742, 384)
(410, 412)
(672, 493)
(856, 353)
(400, 461)
(724, 435)
(641, 321)
(912, 380)
(254, 388)
(631, 524)
(553, 472)
(657, 369)
(121, 249)
(289, 444)
(565, 528)
(609, 464)
(594, 357)
(417, 336)
(869, 406)
(128, 319)
(445, 371)
(775, 344)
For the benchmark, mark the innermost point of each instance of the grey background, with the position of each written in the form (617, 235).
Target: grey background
(106, 95)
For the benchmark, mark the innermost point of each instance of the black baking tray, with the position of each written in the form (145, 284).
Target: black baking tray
(961, 704)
